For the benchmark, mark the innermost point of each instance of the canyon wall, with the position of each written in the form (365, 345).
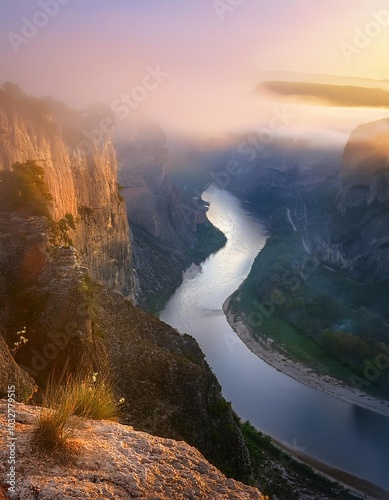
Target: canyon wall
(81, 177)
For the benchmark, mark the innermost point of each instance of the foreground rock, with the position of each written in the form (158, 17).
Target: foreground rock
(115, 462)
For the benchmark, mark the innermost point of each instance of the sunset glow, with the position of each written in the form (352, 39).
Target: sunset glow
(212, 54)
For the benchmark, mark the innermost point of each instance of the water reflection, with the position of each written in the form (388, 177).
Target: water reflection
(337, 433)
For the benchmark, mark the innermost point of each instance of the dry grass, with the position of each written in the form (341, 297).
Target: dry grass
(78, 396)
(92, 398)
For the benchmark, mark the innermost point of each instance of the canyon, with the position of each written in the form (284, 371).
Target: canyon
(67, 281)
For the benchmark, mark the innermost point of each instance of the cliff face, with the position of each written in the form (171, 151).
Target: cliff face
(365, 166)
(356, 235)
(80, 174)
(152, 199)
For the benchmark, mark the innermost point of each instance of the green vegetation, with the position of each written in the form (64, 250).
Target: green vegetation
(87, 286)
(314, 314)
(220, 407)
(92, 398)
(210, 240)
(54, 429)
(23, 188)
(60, 230)
(88, 289)
(119, 189)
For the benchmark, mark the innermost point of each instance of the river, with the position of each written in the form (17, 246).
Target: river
(337, 433)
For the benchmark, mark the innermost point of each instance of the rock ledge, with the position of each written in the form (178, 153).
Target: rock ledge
(114, 462)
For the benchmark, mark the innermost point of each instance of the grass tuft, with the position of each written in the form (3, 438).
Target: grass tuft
(79, 396)
(93, 398)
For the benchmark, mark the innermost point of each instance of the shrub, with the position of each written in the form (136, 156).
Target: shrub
(60, 230)
(54, 428)
(119, 189)
(24, 188)
(71, 222)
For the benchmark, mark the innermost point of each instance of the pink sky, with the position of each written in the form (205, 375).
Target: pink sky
(98, 50)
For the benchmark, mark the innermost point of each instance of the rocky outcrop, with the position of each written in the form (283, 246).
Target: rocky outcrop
(43, 295)
(23, 244)
(80, 170)
(117, 462)
(169, 388)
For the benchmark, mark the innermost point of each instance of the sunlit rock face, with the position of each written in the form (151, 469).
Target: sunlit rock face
(80, 170)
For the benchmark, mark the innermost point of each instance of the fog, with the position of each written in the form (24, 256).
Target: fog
(192, 68)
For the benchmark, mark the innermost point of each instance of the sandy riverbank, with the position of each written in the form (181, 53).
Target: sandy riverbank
(263, 349)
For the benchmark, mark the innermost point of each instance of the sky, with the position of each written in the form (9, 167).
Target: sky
(207, 53)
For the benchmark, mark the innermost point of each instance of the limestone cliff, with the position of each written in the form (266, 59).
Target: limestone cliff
(80, 171)
(365, 166)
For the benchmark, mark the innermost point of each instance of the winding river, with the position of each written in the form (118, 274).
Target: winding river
(321, 426)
